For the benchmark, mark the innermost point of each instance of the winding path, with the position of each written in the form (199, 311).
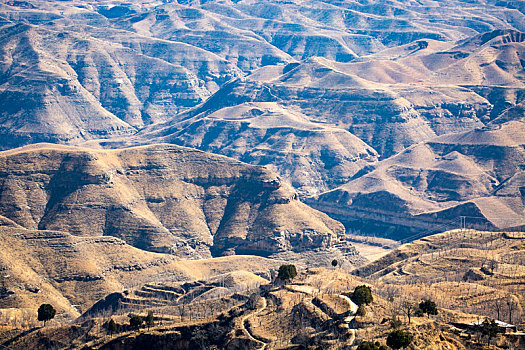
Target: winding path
(352, 307)
(245, 318)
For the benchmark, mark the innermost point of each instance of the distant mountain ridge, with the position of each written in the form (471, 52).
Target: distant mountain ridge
(75, 71)
(323, 93)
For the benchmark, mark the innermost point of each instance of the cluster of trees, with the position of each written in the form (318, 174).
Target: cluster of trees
(489, 329)
(362, 295)
(425, 307)
(428, 307)
(398, 338)
(47, 312)
(287, 273)
(135, 322)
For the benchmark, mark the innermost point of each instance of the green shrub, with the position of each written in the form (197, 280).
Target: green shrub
(46, 312)
(362, 295)
(368, 345)
(135, 321)
(287, 272)
(361, 311)
(398, 339)
(428, 307)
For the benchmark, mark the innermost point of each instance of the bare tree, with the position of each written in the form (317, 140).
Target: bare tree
(182, 310)
(493, 265)
(408, 308)
(511, 306)
(318, 283)
(498, 305)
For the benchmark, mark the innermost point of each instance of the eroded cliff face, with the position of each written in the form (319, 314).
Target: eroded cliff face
(477, 174)
(160, 198)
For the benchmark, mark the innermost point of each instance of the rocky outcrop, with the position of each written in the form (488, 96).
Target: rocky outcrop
(160, 198)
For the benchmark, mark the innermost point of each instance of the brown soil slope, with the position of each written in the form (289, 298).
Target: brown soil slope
(346, 81)
(313, 156)
(160, 198)
(478, 174)
(73, 272)
(62, 86)
(313, 311)
(473, 271)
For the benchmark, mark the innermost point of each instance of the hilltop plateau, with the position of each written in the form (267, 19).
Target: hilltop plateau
(161, 198)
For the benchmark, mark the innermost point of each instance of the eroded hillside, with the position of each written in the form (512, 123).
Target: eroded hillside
(319, 92)
(320, 123)
(73, 272)
(476, 174)
(477, 272)
(161, 198)
(130, 65)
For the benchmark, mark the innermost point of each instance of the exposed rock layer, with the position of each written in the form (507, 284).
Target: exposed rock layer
(161, 198)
